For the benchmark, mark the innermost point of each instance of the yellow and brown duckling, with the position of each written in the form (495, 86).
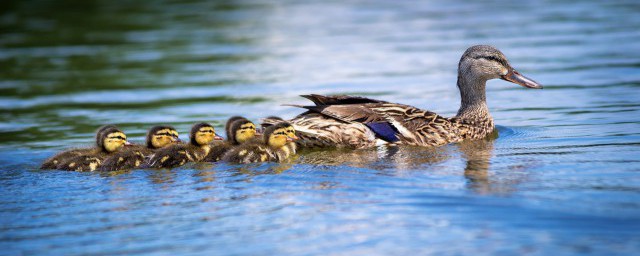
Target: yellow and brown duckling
(133, 156)
(239, 130)
(272, 148)
(109, 142)
(201, 135)
(53, 161)
(291, 132)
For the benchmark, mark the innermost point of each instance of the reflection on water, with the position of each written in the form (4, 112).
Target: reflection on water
(559, 177)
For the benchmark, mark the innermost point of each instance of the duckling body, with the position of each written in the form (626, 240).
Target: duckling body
(128, 158)
(271, 149)
(111, 140)
(82, 163)
(358, 122)
(252, 152)
(133, 156)
(65, 156)
(196, 150)
(239, 130)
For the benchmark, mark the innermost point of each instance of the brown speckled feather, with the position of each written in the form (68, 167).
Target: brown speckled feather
(128, 158)
(218, 149)
(345, 124)
(250, 152)
(176, 155)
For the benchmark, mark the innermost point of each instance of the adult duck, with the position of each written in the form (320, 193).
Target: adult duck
(358, 122)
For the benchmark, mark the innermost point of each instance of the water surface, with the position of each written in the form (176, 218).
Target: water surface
(560, 176)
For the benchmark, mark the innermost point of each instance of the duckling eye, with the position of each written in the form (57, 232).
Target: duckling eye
(118, 137)
(164, 134)
(280, 133)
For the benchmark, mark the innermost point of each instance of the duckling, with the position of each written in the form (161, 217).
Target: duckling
(291, 132)
(53, 161)
(272, 148)
(201, 135)
(239, 130)
(134, 155)
(111, 140)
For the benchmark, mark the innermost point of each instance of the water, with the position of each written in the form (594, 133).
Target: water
(562, 176)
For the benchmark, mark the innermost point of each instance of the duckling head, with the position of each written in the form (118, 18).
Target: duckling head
(161, 135)
(227, 127)
(483, 62)
(112, 140)
(276, 136)
(241, 131)
(203, 134)
(100, 131)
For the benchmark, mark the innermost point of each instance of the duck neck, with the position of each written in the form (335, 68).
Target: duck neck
(473, 105)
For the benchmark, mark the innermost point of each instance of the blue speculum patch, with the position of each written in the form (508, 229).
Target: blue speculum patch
(384, 131)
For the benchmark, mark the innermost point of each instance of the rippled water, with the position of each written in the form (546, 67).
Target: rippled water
(562, 176)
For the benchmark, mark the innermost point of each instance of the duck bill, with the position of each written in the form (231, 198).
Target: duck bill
(289, 139)
(127, 143)
(294, 138)
(216, 137)
(515, 77)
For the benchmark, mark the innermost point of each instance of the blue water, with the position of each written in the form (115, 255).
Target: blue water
(560, 177)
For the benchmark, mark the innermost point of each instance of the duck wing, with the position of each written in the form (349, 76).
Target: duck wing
(320, 100)
(394, 122)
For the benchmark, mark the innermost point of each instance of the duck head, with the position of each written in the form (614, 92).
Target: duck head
(478, 64)
(161, 135)
(241, 131)
(483, 62)
(202, 134)
(112, 139)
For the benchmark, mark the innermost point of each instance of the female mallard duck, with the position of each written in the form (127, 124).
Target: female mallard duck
(53, 161)
(201, 135)
(239, 130)
(110, 141)
(357, 122)
(132, 156)
(272, 148)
